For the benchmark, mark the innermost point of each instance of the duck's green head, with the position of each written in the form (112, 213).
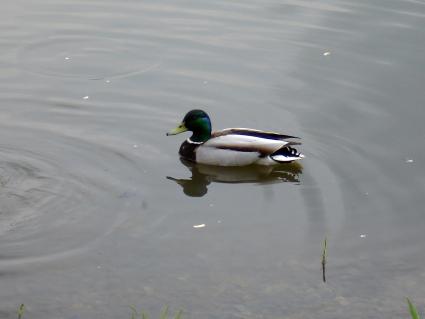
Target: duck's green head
(196, 121)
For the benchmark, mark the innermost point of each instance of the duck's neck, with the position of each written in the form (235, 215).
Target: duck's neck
(200, 137)
(202, 131)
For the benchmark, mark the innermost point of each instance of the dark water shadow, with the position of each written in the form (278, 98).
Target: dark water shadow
(204, 175)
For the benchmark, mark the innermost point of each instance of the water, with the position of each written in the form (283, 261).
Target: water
(98, 213)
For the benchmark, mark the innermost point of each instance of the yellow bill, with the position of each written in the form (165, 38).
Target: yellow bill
(179, 129)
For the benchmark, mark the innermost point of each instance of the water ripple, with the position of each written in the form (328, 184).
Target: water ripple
(59, 195)
(87, 57)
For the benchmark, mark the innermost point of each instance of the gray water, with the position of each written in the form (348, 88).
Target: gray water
(98, 213)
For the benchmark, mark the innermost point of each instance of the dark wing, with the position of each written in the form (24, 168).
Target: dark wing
(255, 133)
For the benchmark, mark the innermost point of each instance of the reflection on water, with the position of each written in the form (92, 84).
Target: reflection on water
(204, 175)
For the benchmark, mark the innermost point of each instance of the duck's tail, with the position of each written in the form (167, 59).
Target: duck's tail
(286, 154)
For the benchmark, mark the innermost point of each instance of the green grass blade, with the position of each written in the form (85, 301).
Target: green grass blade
(134, 312)
(164, 313)
(179, 314)
(21, 311)
(413, 311)
(144, 315)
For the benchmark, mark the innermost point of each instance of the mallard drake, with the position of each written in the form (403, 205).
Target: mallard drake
(233, 146)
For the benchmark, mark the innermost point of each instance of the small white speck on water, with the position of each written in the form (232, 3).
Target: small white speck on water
(67, 58)
(199, 226)
(211, 205)
(408, 160)
(367, 193)
(135, 146)
(107, 81)
(98, 267)
(218, 221)
(205, 82)
(86, 97)
(327, 53)
(363, 236)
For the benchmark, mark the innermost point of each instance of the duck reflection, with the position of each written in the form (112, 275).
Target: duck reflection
(204, 175)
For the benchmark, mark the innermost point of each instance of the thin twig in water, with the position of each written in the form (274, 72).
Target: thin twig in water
(324, 255)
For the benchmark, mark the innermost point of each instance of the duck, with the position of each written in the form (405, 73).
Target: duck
(233, 146)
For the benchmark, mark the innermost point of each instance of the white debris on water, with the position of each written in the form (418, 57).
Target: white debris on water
(363, 236)
(67, 58)
(199, 226)
(135, 146)
(408, 160)
(327, 53)
(107, 81)
(86, 97)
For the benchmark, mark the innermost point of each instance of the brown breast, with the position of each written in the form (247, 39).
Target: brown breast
(187, 151)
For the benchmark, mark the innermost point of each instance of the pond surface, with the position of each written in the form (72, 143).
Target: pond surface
(98, 213)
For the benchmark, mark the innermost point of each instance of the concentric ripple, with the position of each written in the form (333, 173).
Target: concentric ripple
(57, 196)
(86, 57)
